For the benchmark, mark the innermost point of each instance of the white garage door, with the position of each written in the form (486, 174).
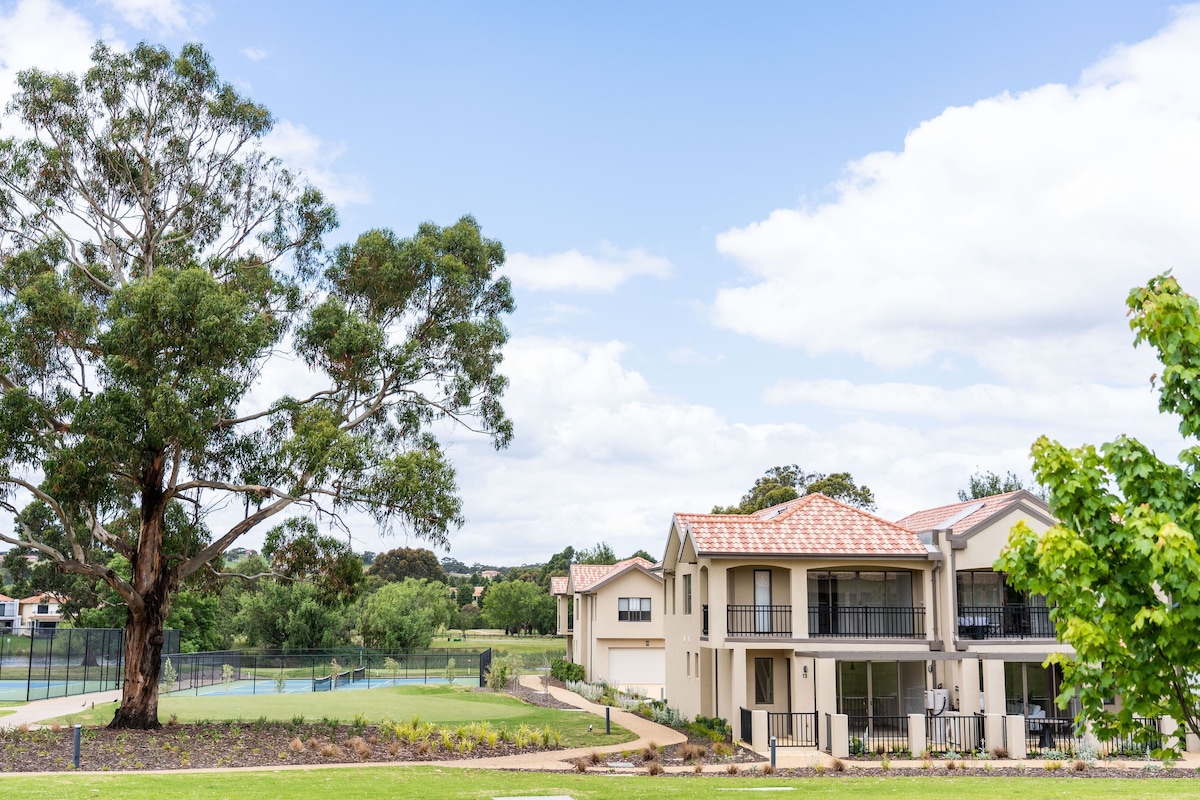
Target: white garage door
(637, 666)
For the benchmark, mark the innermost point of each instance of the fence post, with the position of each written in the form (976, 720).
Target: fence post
(916, 735)
(1016, 736)
(839, 736)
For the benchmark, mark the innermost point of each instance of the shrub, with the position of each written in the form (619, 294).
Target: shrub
(723, 749)
(1051, 766)
(768, 769)
(565, 671)
(1079, 765)
(499, 673)
(715, 728)
(690, 752)
(650, 752)
(839, 765)
(732, 769)
(999, 752)
(596, 757)
(581, 765)
(655, 768)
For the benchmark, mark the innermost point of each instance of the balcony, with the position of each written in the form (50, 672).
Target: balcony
(1011, 621)
(773, 621)
(867, 622)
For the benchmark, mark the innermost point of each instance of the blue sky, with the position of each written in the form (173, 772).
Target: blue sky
(893, 239)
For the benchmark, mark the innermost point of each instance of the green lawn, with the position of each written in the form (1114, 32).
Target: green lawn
(452, 783)
(531, 648)
(440, 704)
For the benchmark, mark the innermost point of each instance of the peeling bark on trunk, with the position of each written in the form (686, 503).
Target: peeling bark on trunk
(153, 581)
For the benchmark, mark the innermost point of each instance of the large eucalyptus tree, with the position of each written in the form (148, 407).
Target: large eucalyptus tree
(155, 261)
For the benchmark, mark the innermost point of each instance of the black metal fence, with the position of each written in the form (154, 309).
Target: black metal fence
(1060, 734)
(759, 621)
(62, 662)
(747, 731)
(242, 672)
(793, 729)
(867, 622)
(1012, 621)
(954, 733)
(878, 734)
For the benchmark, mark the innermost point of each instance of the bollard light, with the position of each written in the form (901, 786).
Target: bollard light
(78, 728)
(608, 719)
(772, 752)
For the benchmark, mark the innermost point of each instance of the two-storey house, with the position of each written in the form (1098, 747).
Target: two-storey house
(808, 606)
(41, 611)
(612, 619)
(1001, 636)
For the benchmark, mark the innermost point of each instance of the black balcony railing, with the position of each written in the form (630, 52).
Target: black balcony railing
(868, 622)
(1013, 621)
(759, 621)
(704, 620)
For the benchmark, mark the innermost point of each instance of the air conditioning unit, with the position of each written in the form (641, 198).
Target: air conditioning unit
(937, 701)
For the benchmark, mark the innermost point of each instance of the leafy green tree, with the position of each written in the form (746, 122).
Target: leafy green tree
(298, 551)
(781, 484)
(405, 615)
(645, 555)
(1121, 569)
(408, 562)
(291, 615)
(986, 484)
(153, 260)
(600, 553)
(470, 616)
(519, 606)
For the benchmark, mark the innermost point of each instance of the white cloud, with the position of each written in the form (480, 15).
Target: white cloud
(1008, 232)
(302, 149)
(42, 34)
(573, 271)
(255, 53)
(166, 16)
(686, 355)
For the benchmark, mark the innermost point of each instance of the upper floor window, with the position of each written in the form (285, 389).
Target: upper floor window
(43, 608)
(687, 594)
(633, 609)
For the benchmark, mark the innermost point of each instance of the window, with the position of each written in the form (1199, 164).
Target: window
(43, 608)
(633, 609)
(764, 681)
(687, 594)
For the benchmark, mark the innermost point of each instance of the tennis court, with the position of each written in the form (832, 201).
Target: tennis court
(18, 691)
(296, 686)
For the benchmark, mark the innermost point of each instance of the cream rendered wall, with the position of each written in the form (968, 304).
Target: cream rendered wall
(633, 583)
(984, 546)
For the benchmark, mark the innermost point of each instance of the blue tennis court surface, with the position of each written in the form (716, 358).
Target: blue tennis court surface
(19, 690)
(292, 686)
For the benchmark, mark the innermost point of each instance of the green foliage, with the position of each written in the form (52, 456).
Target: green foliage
(986, 484)
(405, 615)
(600, 553)
(566, 671)
(715, 728)
(781, 484)
(518, 606)
(408, 562)
(1121, 569)
(297, 550)
(169, 675)
(154, 259)
(291, 615)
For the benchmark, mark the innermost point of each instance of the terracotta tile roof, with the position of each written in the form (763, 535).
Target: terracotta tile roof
(558, 585)
(585, 576)
(809, 525)
(44, 597)
(5, 598)
(959, 516)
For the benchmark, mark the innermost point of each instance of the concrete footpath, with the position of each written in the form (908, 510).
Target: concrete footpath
(39, 710)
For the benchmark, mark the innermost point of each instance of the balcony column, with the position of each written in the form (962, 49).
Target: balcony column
(993, 686)
(969, 694)
(718, 604)
(799, 576)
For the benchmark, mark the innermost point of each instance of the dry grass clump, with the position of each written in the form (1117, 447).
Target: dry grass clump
(767, 769)
(839, 765)
(296, 745)
(999, 752)
(360, 747)
(596, 757)
(731, 769)
(331, 750)
(393, 747)
(698, 768)
(424, 747)
(691, 752)
(650, 752)
(723, 749)
(314, 743)
(1079, 765)
(581, 764)
(950, 765)
(654, 768)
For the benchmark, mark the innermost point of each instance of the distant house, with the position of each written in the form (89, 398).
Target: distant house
(476, 594)
(613, 623)
(9, 616)
(490, 574)
(39, 611)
